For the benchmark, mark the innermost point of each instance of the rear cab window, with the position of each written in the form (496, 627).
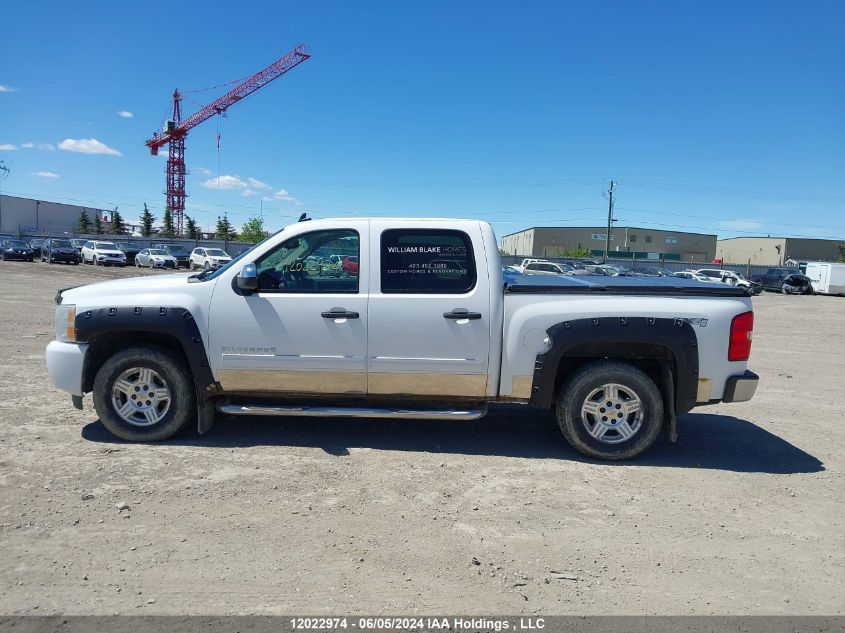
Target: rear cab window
(426, 261)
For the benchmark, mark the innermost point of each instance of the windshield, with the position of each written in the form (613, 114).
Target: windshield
(60, 244)
(177, 250)
(216, 252)
(105, 246)
(157, 251)
(134, 245)
(17, 244)
(213, 273)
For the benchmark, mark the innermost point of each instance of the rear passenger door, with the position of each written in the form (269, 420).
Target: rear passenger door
(429, 311)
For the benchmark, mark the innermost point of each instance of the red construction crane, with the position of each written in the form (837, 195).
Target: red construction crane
(175, 130)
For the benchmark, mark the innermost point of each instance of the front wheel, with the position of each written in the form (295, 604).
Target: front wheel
(610, 410)
(144, 394)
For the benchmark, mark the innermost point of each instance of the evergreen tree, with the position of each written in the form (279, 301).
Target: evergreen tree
(225, 230)
(84, 224)
(98, 224)
(253, 231)
(192, 232)
(118, 227)
(167, 228)
(147, 220)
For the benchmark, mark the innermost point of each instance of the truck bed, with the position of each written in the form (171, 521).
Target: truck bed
(587, 284)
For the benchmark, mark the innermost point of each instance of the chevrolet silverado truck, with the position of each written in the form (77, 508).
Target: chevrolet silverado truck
(428, 328)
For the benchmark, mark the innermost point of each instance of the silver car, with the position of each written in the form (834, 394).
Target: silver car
(155, 258)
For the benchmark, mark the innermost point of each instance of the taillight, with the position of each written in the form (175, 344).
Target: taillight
(739, 347)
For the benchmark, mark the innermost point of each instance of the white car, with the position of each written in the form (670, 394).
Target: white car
(547, 268)
(731, 278)
(202, 257)
(529, 260)
(691, 274)
(425, 328)
(102, 253)
(155, 258)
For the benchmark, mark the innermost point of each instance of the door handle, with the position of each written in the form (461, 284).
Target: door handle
(339, 313)
(462, 313)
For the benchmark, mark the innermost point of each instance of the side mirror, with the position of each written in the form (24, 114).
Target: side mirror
(248, 278)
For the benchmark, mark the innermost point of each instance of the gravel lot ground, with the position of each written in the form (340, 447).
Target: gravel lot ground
(744, 515)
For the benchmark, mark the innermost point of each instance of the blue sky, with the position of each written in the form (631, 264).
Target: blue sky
(722, 116)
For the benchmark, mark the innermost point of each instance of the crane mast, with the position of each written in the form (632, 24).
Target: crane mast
(175, 130)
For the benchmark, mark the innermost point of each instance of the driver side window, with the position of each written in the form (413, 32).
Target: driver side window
(316, 262)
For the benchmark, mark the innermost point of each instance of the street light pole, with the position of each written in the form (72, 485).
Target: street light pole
(609, 218)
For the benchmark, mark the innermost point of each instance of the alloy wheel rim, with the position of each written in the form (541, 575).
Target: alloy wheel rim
(141, 397)
(612, 413)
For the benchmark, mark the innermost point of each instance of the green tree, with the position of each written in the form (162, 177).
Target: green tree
(98, 224)
(842, 253)
(253, 230)
(575, 252)
(225, 230)
(83, 225)
(167, 228)
(118, 226)
(192, 232)
(147, 220)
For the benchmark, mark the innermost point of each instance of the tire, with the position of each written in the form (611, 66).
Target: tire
(169, 373)
(206, 266)
(586, 388)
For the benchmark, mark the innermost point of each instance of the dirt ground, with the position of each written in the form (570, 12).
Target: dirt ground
(744, 515)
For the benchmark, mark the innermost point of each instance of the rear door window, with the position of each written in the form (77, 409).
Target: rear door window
(426, 261)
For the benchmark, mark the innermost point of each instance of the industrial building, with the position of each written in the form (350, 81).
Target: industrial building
(775, 251)
(625, 241)
(27, 216)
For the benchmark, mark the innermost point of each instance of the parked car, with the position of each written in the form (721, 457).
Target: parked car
(399, 340)
(652, 271)
(731, 278)
(35, 245)
(179, 253)
(59, 250)
(691, 274)
(548, 268)
(529, 260)
(16, 249)
(797, 284)
(349, 266)
(100, 253)
(155, 258)
(773, 278)
(78, 244)
(511, 270)
(202, 257)
(130, 249)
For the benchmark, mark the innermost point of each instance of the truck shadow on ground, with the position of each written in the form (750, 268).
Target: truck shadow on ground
(704, 440)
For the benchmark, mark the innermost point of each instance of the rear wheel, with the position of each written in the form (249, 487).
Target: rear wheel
(144, 394)
(610, 410)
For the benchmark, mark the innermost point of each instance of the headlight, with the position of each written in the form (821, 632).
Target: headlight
(66, 323)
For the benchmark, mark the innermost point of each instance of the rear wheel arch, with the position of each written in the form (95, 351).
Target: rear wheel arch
(663, 348)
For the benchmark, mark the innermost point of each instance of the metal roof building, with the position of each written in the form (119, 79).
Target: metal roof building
(625, 241)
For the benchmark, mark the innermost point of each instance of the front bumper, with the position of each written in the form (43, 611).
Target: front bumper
(64, 363)
(741, 388)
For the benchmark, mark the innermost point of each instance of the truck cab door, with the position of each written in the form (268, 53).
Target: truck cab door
(429, 311)
(304, 330)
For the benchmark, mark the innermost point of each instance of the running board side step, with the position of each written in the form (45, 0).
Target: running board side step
(352, 412)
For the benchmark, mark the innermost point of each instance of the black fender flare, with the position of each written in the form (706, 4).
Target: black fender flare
(675, 335)
(169, 321)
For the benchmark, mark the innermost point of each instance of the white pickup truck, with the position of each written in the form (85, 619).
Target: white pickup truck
(423, 326)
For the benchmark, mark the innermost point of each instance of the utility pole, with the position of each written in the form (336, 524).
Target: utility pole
(610, 188)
